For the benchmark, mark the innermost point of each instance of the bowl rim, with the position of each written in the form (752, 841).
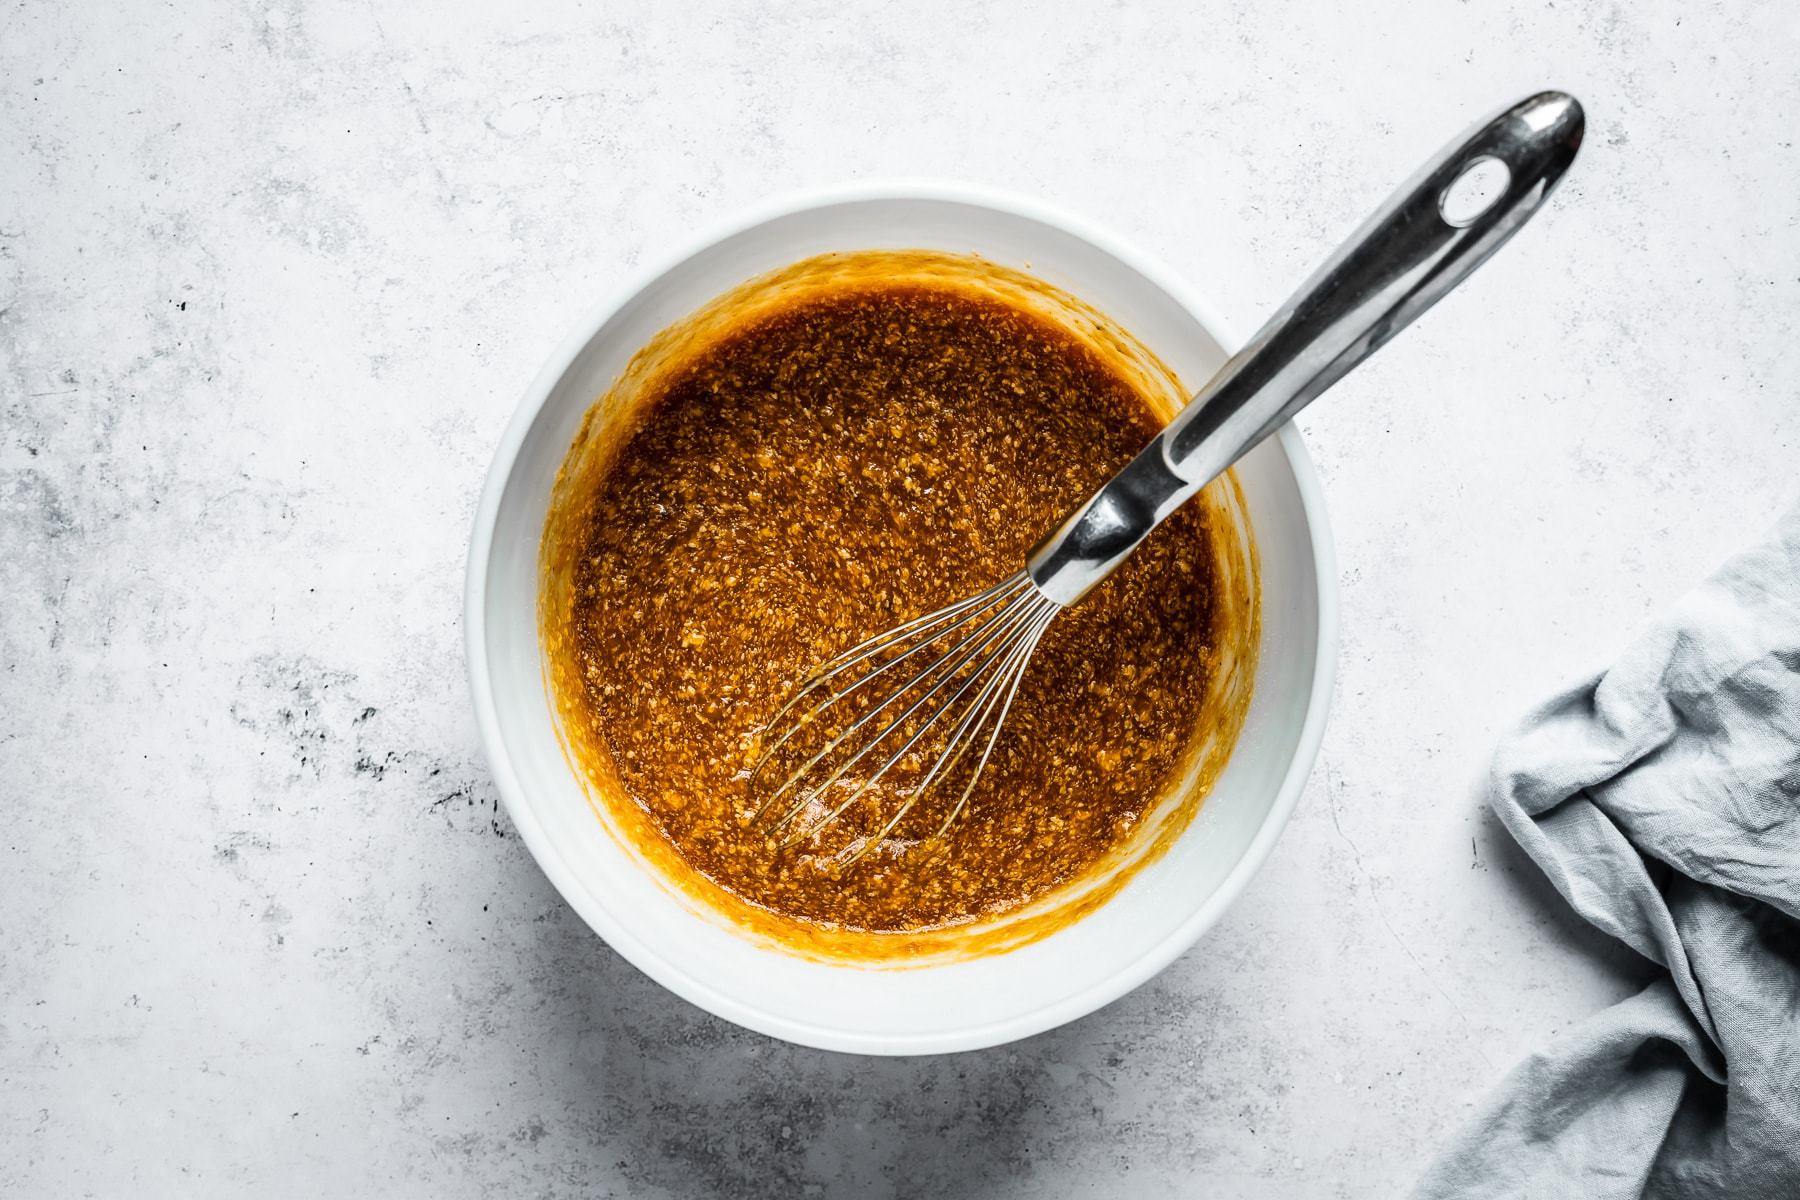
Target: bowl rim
(644, 956)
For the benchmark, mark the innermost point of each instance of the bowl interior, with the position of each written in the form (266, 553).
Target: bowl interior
(872, 1009)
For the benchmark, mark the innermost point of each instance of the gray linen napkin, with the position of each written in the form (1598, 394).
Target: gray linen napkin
(1662, 798)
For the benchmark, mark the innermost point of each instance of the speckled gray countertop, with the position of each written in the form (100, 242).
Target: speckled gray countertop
(271, 279)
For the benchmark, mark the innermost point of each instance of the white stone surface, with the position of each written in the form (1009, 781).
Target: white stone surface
(271, 278)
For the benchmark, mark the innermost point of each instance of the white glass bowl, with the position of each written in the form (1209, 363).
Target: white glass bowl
(949, 1006)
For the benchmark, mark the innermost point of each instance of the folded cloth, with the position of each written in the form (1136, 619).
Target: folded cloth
(1662, 798)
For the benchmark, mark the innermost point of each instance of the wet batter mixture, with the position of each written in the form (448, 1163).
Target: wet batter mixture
(850, 460)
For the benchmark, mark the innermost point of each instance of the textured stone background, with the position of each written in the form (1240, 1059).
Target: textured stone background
(271, 279)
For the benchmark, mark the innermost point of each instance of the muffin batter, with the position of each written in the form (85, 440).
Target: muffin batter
(857, 456)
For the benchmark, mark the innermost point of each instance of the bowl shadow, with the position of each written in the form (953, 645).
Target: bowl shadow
(641, 1092)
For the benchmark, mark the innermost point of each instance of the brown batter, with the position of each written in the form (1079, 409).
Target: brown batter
(829, 467)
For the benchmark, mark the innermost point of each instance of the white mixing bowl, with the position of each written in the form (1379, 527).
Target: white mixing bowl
(957, 1005)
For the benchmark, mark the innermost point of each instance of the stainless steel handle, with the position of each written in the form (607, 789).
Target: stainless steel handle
(1442, 224)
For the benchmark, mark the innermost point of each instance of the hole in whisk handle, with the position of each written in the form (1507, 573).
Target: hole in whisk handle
(1478, 188)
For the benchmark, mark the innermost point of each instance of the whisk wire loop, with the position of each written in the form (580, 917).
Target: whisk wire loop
(1015, 620)
(968, 610)
(998, 622)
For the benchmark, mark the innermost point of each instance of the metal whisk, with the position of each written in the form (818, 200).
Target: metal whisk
(969, 658)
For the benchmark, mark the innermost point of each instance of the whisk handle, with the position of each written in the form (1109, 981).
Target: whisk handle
(1430, 235)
